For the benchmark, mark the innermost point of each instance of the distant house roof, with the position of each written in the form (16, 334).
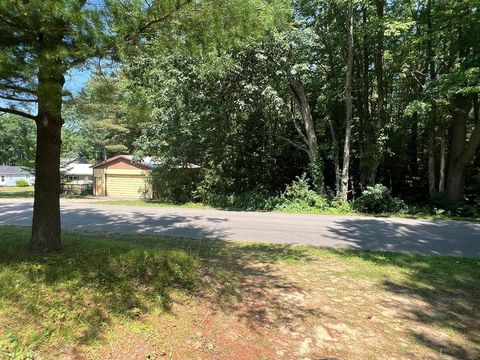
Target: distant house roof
(77, 160)
(78, 166)
(13, 170)
(79, 169)
(147, 162)
(148, 165)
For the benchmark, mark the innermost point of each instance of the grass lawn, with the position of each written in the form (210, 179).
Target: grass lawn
(125, 297)
(16, 192)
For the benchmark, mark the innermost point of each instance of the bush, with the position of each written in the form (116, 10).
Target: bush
(22, 183)
(468, 210)
(174, 184)
(299, 196)
(257, 199)
(378, 199)
(340, 206)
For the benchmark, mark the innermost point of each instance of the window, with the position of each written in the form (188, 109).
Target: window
(3, 178)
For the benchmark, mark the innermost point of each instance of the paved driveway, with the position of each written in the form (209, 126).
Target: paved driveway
(386, 234)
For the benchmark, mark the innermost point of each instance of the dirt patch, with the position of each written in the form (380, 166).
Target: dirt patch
(300, 311)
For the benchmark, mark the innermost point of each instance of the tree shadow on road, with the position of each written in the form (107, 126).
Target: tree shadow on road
(437, 237)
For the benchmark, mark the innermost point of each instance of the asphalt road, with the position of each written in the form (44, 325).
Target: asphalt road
(439, 237)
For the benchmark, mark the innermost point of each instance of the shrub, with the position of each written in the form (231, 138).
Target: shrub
(22, 183)
(257, 199)
(174, 184)
(340, 206)
(469, 210)
(299, 196)
(378, 199)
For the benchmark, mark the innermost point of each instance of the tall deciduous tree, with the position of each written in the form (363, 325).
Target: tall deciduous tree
(348, 104)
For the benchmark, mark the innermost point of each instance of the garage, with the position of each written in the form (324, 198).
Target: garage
(120, 177)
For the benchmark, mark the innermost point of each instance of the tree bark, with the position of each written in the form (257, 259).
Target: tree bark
(443, 162)
(381, 112)
(46, 209)
(461, 153)
(309, 137)
(365, 143)
(348, 105)
(432, 121)
(302, 104)
(336, 162)
(413, 147)
(432, 185)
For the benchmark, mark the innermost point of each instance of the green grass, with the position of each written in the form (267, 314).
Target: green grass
(11, 192)
(99, 282)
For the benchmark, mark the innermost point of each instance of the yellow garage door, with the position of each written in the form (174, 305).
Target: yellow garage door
(132, 186)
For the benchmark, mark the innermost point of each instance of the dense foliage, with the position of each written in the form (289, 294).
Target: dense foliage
(17, 141)
(256, 114)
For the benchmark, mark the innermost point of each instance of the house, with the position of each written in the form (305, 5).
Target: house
(119, 176)
(9, 175)
(76, 171)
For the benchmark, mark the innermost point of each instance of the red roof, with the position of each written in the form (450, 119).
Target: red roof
(126, 158)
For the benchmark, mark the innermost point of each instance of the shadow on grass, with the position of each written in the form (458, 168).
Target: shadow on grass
(100, 277)
(242, 278)
(448, 289)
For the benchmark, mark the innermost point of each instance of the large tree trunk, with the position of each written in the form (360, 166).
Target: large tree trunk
(304, 107)
(443, 162)
(381, 107)
(46, 208)
(432, 121)
(309, 136)
(413, 147)
(461, 152)
(348, 105)
(336, 162)
(365, 126)
(432, 182)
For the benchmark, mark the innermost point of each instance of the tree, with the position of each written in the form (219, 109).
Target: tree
(348, 104)
(17, 141)
(97, 117)
(40, 41)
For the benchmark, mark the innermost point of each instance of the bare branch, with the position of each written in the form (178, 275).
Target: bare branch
(12, 98)
(16, 88)
(298, 146)
(18, 112)
(144, 27)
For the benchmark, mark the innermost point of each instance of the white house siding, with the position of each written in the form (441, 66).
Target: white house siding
(11, 180)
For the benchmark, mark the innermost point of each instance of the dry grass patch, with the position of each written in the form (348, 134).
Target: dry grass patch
(135, 297)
